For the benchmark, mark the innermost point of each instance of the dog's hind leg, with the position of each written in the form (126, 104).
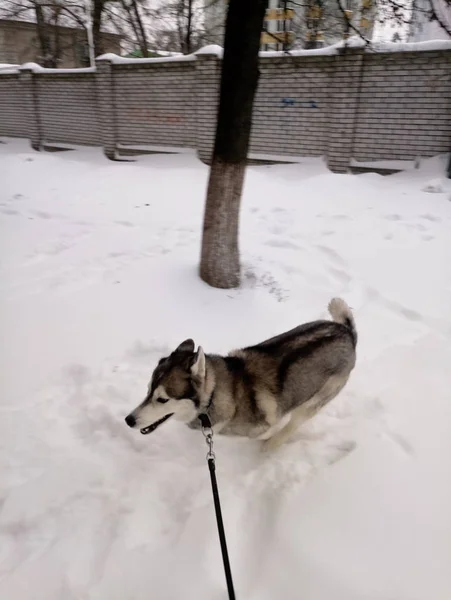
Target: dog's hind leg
(306, 411)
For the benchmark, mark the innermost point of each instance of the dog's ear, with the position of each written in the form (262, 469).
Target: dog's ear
(198, 366)
(186, 346)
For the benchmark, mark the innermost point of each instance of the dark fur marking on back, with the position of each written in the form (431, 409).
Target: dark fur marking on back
(299, 353)
(237, 367)
(234, 364)
(274, 345)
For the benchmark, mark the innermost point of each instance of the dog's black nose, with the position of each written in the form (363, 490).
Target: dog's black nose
(130, 420)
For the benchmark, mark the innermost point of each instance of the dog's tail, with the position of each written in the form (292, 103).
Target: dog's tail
(341, 313)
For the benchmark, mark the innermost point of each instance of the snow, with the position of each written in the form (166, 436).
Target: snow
(211, 49)
(438, 186)
(284, 158)
(6, 68)
(326, 51)
(30, 66)
(425, 46)
(156, 148)
(98, 279)
(38, 69)
(120, 60)
(354, 42)
(395, 165)
(357, 42)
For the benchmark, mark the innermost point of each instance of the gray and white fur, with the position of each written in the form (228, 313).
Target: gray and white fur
(263, 391)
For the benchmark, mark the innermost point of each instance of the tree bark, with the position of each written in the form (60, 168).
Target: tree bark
(189, 18)
(220, 266)
(97, 11)
(56, 38)
(44, 37)
(142, 37)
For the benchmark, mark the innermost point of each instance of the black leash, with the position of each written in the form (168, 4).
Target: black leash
(208, 433)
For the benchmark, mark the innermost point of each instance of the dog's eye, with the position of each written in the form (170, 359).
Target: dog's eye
(162, 400)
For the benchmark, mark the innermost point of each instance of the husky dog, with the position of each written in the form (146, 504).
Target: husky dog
(263, 391)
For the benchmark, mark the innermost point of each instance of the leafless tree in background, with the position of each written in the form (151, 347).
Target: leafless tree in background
(181, 26)
(127, 17)
(335, 19)
(178, 26)
(48, 15)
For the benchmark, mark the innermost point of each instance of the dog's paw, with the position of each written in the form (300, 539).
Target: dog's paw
(271, 445)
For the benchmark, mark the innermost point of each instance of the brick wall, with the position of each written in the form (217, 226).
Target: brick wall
(12, 121)
(291, 107)
(68, 108)
(404, 108)
(155, 103)
(358, 105)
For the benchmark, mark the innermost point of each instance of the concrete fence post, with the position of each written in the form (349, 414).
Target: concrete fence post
(106, 105)
(343, 106)
(30, 100)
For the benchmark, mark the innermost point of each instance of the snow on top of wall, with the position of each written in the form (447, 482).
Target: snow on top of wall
(30, 66)
(327, 51)
(38, 69)
(8, 69)
(211, 49)
(411, 46)
(356, 42)
(120, 60)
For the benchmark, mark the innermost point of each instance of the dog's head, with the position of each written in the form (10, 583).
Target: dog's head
(174, 390)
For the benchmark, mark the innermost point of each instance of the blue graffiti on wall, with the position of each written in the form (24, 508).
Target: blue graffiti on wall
(290, 102)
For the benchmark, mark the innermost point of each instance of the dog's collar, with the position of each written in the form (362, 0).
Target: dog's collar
(203, 417)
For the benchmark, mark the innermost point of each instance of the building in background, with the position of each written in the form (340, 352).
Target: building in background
(327, 22)
(278, 33)
(294, 24)
(422, 28)
(277, 30)
(19, 44)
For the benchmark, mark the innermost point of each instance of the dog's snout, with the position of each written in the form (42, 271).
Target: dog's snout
(130, 420)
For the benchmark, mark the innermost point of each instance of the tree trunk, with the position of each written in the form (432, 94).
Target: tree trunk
(189, 20)
(220, 266)
(285, 34)
(97, 10)
(180, 18)
(142, 37)
(43, 36)
(56, 38)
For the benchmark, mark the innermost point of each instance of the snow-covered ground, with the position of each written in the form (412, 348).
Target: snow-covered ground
(98, 279)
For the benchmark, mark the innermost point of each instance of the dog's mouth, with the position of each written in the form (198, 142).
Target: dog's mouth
(150, 428)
